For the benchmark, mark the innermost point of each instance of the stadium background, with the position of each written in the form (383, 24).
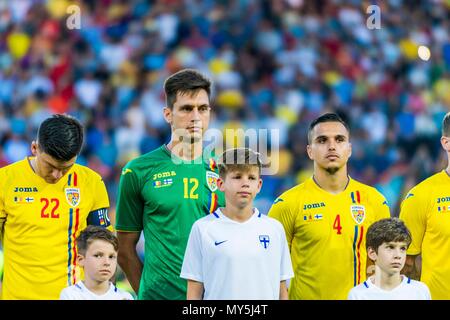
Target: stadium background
(276, 64)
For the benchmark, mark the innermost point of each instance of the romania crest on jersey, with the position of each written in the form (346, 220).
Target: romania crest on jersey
(358, 213)
(73, 196)
(211, 179)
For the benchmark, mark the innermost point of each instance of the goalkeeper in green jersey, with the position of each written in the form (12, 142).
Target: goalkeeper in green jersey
(163, 192)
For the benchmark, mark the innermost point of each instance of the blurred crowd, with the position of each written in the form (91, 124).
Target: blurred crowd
(276, 64)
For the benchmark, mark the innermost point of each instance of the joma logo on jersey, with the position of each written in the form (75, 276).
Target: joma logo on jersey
(164, 175)
(443, 199)
(313, 206)
(25, 189)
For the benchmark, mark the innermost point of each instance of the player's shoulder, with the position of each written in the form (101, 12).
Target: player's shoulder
(14, 167)
(272, 222)
(148, 160)
(71, 292)
(122, 294)
(292, 194)
(207, 220)
(84, 172)
(430, 183)
(369, 190)
(418, 284)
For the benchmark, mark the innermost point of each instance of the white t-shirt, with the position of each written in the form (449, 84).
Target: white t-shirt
(79, 291)
(408, 289)
(237, 260)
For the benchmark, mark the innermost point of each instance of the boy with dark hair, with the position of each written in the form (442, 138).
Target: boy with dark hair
(387, 241)
(237, 252)
(46, 200)
(97, 255)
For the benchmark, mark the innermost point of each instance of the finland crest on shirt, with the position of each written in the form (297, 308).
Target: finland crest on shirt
(237, 260)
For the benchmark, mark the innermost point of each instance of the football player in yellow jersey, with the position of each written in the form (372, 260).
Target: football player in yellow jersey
(45, 201)
(326, 217)
(426, 212)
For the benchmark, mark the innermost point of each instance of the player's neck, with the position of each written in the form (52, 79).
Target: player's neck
(386, 281)
(185, 151)
(237, 214)
(96, 287)
(332, 183)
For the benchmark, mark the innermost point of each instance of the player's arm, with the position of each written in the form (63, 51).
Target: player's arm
(2, 225)
(413, 212)
(128, 258)
(129, 211)
(412, 267)
(98, 216)
(281, 210)
(194, 290)
(283, 291)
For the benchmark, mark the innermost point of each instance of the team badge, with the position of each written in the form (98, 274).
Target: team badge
(264, 240)
(358, 213)
(73, 196)
(211, 179)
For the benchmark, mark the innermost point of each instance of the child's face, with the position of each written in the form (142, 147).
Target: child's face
(391, 256)
(100, 261)
(241, 187)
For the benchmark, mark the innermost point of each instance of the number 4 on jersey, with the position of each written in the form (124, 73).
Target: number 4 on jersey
(337, 224)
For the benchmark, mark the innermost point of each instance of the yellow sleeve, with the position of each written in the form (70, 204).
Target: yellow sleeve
(413, 212)
(381, 206)
(285, 213)
(2, 209)
(100, 194)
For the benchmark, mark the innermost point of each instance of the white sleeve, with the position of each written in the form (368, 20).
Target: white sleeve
(352, 295)
(192, 262)
(65, 294)
(286, 271)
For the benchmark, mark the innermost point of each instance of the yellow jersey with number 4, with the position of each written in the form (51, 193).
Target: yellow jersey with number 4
(326, 236)
(40, 223)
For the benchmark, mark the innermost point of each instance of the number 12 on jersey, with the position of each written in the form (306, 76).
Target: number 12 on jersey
(190, 187)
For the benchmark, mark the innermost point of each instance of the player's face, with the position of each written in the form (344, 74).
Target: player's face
(241, 187)
(391, 257)
(189, 117)
(99, 262)
(330, 148)
(47, 167)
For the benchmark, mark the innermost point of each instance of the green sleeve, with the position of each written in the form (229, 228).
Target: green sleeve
(130, 205)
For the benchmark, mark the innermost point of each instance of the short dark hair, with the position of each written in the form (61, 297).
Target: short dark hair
(91, 233)
(238, 159)
(446, 125)
(185, 81)
(387, 230)
(327, 117)
(60, 136)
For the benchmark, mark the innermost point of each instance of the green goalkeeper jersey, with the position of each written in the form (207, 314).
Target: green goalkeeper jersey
(163, 197)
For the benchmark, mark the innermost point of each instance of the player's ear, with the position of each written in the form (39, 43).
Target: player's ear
(372, 254)
(220, 184)
(167, 112)
(34, 147)
(80, 259)
(309, 151)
